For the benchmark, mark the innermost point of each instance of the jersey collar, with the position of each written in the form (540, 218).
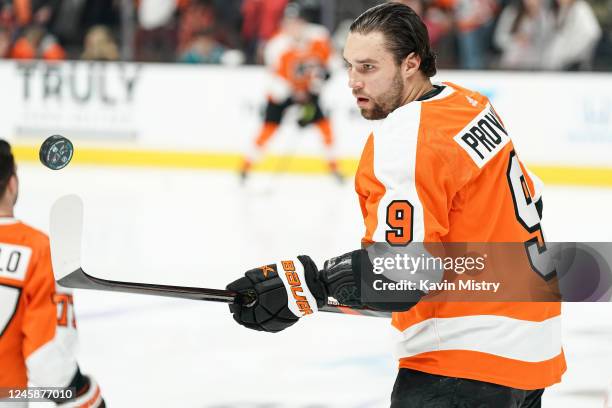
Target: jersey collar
(446, 91)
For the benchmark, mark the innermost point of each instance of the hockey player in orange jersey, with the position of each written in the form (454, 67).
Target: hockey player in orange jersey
(37, 323)
(297, 59)
(440, 168)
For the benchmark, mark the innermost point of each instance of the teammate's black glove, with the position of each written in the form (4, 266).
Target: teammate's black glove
(86, 393)
(282, 293)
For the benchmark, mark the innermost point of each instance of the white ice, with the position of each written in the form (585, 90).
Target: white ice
(199, 228)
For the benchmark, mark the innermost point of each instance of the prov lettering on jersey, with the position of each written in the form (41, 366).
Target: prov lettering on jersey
(483, 137)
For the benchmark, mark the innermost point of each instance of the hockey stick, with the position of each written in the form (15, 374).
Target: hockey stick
(66, 230)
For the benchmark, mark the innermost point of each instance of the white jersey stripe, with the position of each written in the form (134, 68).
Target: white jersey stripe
(498, 335)
(395, 150)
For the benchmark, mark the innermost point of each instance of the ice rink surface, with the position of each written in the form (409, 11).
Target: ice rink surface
(198, 228)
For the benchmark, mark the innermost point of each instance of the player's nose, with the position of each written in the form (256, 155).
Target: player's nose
(354, 82)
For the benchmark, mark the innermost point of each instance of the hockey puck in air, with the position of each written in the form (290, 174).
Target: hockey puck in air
(56, 152)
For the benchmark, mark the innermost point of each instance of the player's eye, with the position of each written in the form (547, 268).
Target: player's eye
(367, 67)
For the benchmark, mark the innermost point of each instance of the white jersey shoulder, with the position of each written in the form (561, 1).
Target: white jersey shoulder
(275, 48)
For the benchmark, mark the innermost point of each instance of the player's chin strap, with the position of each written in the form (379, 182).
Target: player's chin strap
(87, 393)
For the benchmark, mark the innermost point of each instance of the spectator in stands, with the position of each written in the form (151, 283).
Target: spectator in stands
(37, 43)
(100, 45)
(522, 32)
(228, 21)
(156, 33)
(39, 12)
(6, 13)
(6, 24)
(5, 42)
(78, 17)
(100, 12)
(261, 19)
(474, 20)
(198, 16)
(203, 49)
(576, 33)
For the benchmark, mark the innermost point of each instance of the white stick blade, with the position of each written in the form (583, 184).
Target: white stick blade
(66, 230)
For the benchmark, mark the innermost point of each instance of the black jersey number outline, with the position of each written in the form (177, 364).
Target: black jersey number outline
(527, 215)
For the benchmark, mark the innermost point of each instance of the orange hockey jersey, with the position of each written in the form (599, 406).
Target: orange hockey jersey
(37, 326)
(445, 170)
(297, 65)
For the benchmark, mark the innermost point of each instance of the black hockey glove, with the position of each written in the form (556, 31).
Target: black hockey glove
(282, 293)
(86, 393)
(349, 278)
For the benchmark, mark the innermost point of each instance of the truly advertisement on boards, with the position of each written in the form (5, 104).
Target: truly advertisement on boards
(89, 101)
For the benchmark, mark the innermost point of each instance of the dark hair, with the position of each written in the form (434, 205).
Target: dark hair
(404, 33)
(7, 165)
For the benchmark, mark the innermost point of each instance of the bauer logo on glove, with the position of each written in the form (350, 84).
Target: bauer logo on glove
(300, 300)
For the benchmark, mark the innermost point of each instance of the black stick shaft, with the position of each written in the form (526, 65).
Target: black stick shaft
(79, 279)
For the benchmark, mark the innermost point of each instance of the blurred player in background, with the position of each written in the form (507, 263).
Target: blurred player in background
(440, 168)
(38, 333)
(297, 59)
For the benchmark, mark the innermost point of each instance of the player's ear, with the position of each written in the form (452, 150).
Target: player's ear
(13, 184)
(411, 64)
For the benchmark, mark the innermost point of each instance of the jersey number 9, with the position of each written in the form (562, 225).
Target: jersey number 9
(399, 219)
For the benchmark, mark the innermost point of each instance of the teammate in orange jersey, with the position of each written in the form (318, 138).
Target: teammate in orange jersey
(37, 325)
(297, 59)
(440, 168)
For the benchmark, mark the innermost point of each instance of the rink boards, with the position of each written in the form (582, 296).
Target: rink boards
(201, 117)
